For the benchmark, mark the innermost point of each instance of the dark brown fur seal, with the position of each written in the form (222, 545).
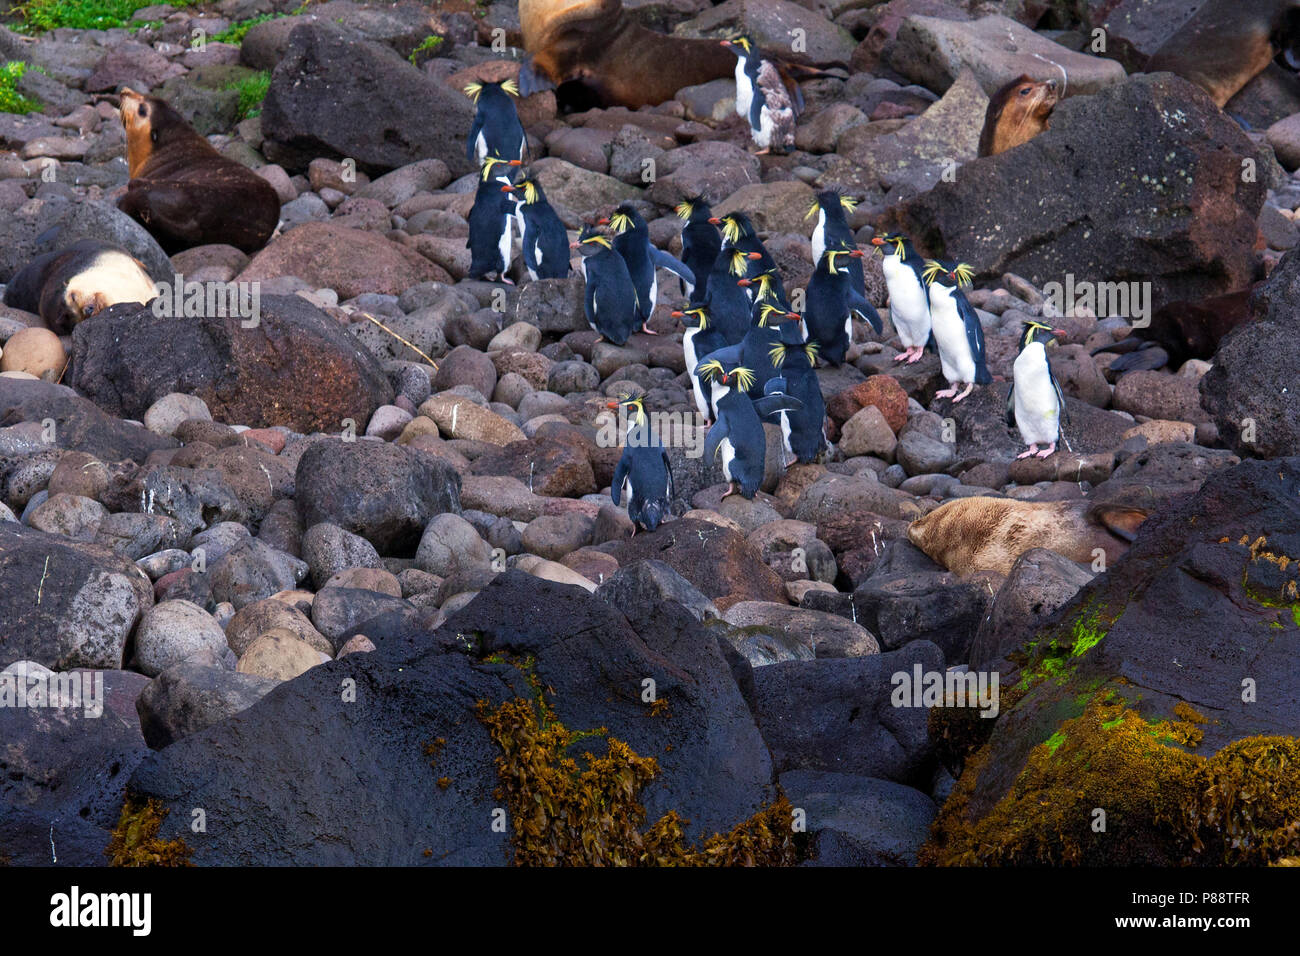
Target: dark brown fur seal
(1227, 43)
(72, 284)
(988, 534)
(618, 60)
(1017, 113)
(185, 192)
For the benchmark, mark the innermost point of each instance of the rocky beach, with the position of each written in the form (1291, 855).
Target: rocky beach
(315, 560)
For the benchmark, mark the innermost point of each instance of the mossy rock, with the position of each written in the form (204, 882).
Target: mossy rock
(1163, 695)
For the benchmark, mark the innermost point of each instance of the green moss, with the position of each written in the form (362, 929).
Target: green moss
(252, 90)
(428, 45)
(236, 32)
(1162, 804)
(135, 838)
(39, 16)
(12, 101)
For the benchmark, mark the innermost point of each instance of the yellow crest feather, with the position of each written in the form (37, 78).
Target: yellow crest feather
(932, 268)
(730, 229)
(683, 210)
(510, 87)
(812, 208)
(745, 378)
(777, 355)
(739, 264)
(472, 90)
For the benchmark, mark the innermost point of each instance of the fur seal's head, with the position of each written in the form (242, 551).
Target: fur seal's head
(1017, 113)
(151, 123)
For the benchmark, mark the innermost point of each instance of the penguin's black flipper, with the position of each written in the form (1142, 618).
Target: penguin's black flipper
(1011, 404)
(975, 337)
(663, 260)
(780, 402)
(865, 309)
(668, 467)
(713, 439)
(1060, 398)
(775, 385)
(620, 475)
(474, 130)
(530, 81)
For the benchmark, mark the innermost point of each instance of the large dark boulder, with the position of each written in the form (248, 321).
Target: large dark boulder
(714, 768)
(79, 425)
(335, 96)
(64, 603)
(837, 714)
(1162, 693)
(1141, 182)
(1250, 391)
(383, 492)
(297, 367)
(405, 773)
(66, 767)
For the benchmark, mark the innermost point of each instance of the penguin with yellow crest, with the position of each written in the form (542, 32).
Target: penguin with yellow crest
(956, 329)
(737, 439)
(1035, 404)
(496, 130)
(643, 477)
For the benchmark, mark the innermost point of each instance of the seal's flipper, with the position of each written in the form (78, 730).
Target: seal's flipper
(530, 81)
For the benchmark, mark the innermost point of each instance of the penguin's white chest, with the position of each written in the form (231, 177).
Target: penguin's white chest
(950, 335)
(1038, 411)
(480, 146)
(766, 127)
(744, 89)
(819, 237)
(909, 308)
(728, 453)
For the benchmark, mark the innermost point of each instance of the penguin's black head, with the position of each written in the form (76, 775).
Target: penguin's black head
(950, 275)
(496, 166)
(783, 355)
(764, 285)
(624, 219)
(894, 244)
(771, 315)
(476, 89)
(831, 199)
(697, 314)
(741, 45)
(735, 226)
(634, 407)
(836, 257)
(1038, 332)
(527, 191)
(590, 241)
(693, 209)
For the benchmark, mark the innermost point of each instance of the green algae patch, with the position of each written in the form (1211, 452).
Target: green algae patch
(1112, 788)
(135, 838)
(564, 814)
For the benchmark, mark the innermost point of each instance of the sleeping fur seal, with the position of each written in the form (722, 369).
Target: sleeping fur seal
(617, 60)
(988, 534)
(182, 190)
(69, 285)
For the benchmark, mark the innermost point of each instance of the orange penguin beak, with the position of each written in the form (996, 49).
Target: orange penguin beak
(574, 245)
(1059, 333)
(603, 222)
(755, 255)
(744, 282)
(507, 189)
(715, 221)
(515, 162)
(678, 315)
(611, 404)
(793, 317)
(877, 241)
(856, 254)
(724, 43)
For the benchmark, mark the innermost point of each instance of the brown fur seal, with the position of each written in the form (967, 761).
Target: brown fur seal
(618, 61)
(988, 534)
(1017, 113)
(72, 284)
(185, 192)
(1227, 43)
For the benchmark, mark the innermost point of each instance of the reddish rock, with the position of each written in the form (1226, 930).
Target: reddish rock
(553, 468)
(349, 261)
(883, 391)
(717, 560)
